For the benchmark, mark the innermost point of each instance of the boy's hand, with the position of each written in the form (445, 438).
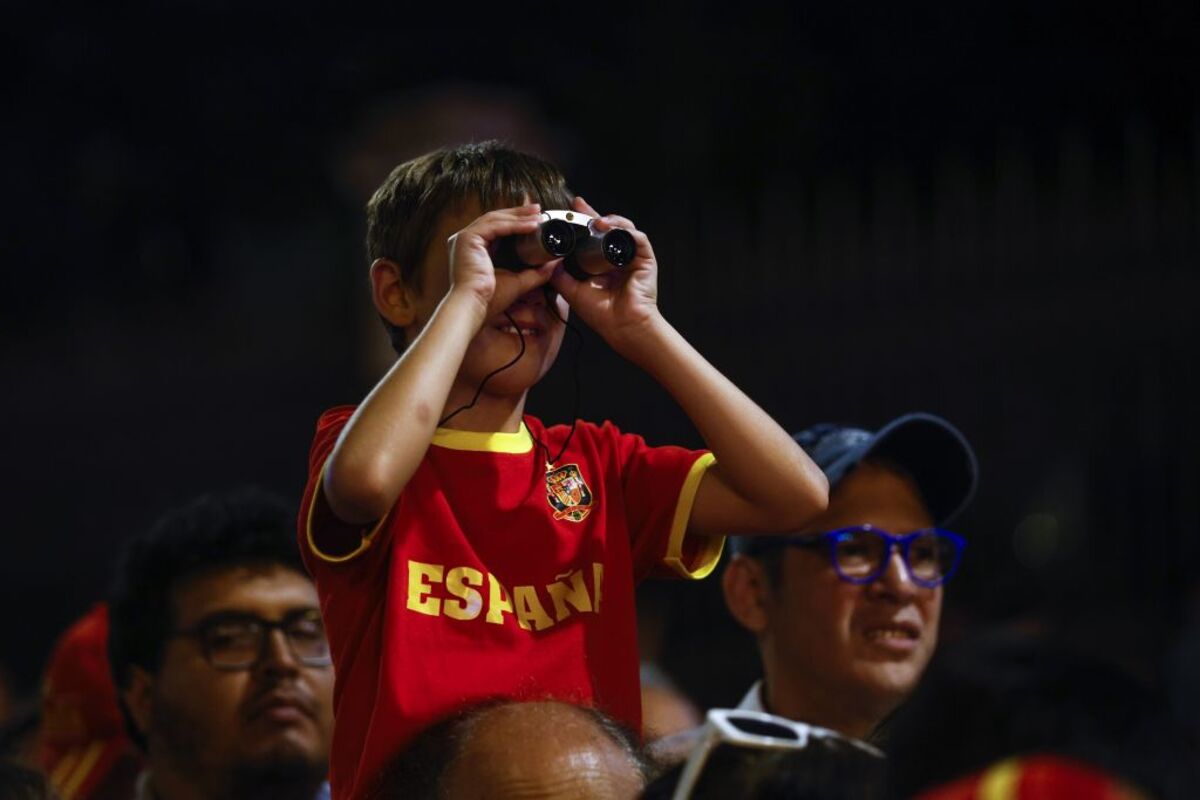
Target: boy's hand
(471, 268)
(619, 304)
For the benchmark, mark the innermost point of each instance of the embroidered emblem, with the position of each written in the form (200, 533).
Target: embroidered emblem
(568, 493)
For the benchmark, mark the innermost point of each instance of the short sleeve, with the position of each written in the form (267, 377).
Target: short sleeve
(318, 528)
(660, 485)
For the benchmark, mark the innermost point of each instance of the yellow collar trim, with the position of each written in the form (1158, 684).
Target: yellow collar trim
(519, 442)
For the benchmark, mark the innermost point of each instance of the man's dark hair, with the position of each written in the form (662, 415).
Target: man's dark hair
(212, 532)
(405, 210)
(416, 773)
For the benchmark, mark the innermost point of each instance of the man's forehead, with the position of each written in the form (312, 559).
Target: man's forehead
(874, 493)
(267, 590)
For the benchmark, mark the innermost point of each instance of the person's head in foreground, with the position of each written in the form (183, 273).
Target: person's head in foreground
(1025, 713)
(546, 750)
(846, 610)
(219, 654)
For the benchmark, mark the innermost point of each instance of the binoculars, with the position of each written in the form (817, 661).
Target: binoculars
(569, 235)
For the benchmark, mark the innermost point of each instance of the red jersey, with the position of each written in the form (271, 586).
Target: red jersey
(495, 576)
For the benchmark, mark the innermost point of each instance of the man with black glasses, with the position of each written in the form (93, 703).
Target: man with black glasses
(846, 611)
(219, 655)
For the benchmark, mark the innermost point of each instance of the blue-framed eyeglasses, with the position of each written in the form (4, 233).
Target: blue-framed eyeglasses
(860, 553)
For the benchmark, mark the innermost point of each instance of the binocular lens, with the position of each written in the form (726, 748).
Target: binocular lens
(557, 237)
(587, 251)
(618, 247)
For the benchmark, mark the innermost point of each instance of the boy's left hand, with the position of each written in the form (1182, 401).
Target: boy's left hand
(619, 304)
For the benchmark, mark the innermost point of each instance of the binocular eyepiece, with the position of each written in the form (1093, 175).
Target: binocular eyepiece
(570, 236)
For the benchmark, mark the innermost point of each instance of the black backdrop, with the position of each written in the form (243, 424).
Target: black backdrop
(990, 212)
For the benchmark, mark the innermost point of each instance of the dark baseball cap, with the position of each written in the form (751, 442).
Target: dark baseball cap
(931, 450)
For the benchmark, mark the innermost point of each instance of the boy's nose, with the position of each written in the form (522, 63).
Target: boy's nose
(534, 297)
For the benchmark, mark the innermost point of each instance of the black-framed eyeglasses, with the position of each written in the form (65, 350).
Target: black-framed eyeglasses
(235, 640)
(860, 553)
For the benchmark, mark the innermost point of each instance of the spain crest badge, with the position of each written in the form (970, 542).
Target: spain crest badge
(568, 493)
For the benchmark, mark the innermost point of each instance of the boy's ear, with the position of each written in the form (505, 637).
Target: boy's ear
(747, 591)
(138, 696)
(393, 299)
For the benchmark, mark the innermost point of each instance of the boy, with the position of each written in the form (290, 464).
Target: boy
(464, 551)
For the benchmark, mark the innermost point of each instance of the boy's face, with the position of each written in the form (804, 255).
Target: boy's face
(497, 342)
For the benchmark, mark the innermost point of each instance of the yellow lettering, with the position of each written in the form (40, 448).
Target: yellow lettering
(418, 573)
(597, 579)
(458, 583)
(576, 594)
(498, 601)
(529, 608)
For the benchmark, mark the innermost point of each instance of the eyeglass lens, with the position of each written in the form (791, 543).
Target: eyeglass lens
(862, 552)
(239, 642)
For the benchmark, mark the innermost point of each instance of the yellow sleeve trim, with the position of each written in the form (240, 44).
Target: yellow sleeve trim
(308, 529)
(710, 552)
(73, 769)
(519, 442)
(1001, 781)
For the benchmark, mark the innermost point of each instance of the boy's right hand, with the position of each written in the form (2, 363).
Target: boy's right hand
(471, 268)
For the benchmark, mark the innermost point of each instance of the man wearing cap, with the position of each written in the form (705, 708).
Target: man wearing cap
(846, 610)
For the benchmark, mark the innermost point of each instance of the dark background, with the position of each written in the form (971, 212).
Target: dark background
(989, 211)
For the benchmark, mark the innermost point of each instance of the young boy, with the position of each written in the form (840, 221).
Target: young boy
(461, 549)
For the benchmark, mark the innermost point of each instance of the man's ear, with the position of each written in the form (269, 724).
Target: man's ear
(747, 591)
(138, 696)
(393, 299)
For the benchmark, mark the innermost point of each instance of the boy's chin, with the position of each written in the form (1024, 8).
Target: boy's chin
(512, 381)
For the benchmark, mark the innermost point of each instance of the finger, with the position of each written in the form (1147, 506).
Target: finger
(607, 281)
(522, 210)
(582, 205)
(527, 211)
(565, 285)
(491, 226)
(617, 221)
(529, 279)
(512, 285)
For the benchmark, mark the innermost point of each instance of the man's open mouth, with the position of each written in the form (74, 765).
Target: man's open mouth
(892, 632)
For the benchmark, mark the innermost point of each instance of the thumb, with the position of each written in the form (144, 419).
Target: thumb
(565, 285)
(529, 279)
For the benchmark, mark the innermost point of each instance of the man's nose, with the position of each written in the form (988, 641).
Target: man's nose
(277, 655)
(895, 580)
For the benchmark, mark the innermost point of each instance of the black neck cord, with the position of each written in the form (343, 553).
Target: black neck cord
(574, 372)
(489, 376)
(550, 462)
